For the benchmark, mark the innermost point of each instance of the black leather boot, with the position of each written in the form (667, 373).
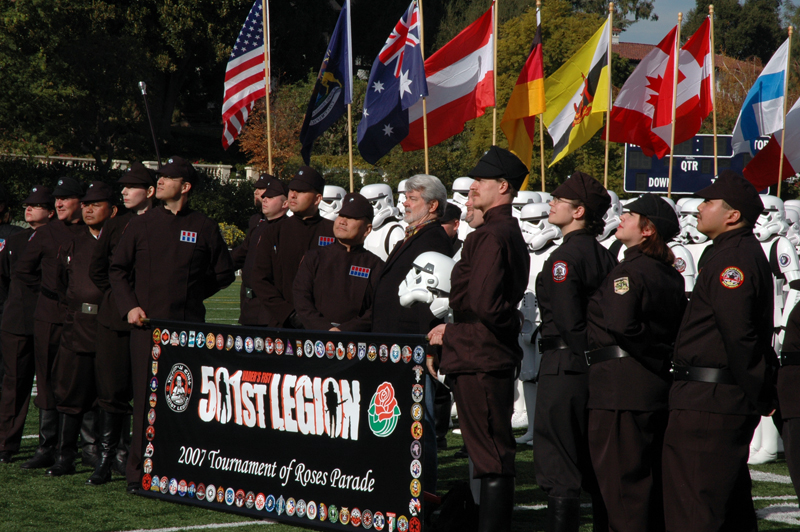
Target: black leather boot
(67, 446)
(45, 454)
(121, 460)
(441, 413)
(599, 514)
(111, 426)
(497, 504)
(90, 452)
(563, 514)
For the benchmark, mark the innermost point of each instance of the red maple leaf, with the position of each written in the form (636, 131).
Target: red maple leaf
(654, 84)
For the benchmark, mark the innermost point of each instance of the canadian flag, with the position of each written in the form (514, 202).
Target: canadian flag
(642, 112)
(460, 78)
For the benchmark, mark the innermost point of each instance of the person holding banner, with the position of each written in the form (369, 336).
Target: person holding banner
(168, 261)
(568, 279)
(480, 351)
(335, 285)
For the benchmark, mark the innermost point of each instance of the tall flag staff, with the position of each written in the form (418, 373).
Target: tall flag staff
(785, 99)
(713, 83)
(349, 94)
(425, 97)
(610, 96)
(267, 75)
(495, 36)
(675, 70)
(541, 115)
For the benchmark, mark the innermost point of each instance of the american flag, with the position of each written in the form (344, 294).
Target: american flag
(245, 76)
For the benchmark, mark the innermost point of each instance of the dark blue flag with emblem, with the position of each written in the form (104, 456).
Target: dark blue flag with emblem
(333, 90)
(396, 82)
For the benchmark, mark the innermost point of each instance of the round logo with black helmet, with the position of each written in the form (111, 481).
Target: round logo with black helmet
(178, 389)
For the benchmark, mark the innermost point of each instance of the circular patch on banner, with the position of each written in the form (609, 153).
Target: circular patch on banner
(156, 486)
(366, 519)
(407, 354)
(308, 348)
(211, 493)
(731, 277)
(210, 341)
(416, 430)
(178, 389)
(417, 391)
(419, 354)
(173, 339)
(248, 344)
(416, 468)
(278, 346)
(340, 352)
(150, 433)
(238, 343)
(323, 511)
(351, 351)
(221, 494)
(269, 504)
(418, 372)
(149, 450)
(147, 465)
(261, 500)
(416, 488)
(201, 340)
(156, 351)
(414, 506)
(182, 488)
(156, 336)
(164, 484)
(378, 521)
(147, 481)
(154, 367)
(560, 270)
(344, 515)
(680, 265)
(191, 490)
(239, 498)
(201, 492)
(301, 508)
(221, 342)
(153, 384)
(355, 517)
(416, 450)
(184, 338)
(230, 496)
(414, 525)
(383, 353)
(362, 350)
(402, 524)
(372, 353)
(330, 350)
(333, 513)
(291, 506)
(151, 416)
(269, 346)
(165, 336)
(250, 499)
(394, 354)
(783, 259)
(280, 505)
(383, 411)
(416, 412)
(153, 400)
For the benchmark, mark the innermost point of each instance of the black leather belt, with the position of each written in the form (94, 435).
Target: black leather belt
(698, 374)
(84, 308)
(551, 344)
(605, 353)
(49, 294)
(790, 358)
(465, 316)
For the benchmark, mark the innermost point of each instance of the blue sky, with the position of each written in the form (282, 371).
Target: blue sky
(650, 32)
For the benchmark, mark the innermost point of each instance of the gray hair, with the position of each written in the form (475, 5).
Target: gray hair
(430, 188)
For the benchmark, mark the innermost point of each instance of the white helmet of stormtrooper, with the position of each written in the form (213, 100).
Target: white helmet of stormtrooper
(673, 205)
(461, 190)
(332, 197)
(793, 219)
(688, 220)
(611, 217)
(536, 230)
(772, 220)
(428, 281)
(401, 196)
(380, 196)
(546, 197)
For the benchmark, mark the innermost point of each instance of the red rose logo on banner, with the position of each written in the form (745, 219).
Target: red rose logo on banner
(383, 411)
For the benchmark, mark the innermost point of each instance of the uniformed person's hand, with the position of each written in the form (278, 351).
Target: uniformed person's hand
(136, 315)
(436, 336)
(335, 329)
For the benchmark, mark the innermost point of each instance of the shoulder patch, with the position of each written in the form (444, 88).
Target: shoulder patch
(560, 270)
(621, 285)
(3, 243)
(731, 277)
(680, 265)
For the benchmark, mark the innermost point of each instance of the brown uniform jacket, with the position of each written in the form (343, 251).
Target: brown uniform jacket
(486, 287)
(38, 268)
(639, 308)
(789, 375)
(388, 315)
(252, 310)
(728, 324)
(168, 264)
(568, 279)
(6, 232)
(17, 315)
(77, 291)
(108, 315)
(336, 288)
(278, 255)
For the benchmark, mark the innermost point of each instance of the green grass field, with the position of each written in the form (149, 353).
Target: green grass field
(29, 501)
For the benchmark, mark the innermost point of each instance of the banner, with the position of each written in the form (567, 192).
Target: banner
(310, 428)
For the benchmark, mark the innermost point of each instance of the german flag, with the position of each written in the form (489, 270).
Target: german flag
(577, 95)
(527, 100)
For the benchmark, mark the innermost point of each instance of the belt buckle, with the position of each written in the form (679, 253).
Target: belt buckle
(248, 293)
(88, 308)
(588, 358)
(539, 345)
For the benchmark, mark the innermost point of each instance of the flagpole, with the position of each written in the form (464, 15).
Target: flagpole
(608, 112)
(350, 140)
(785, 100)
(713, 84)
(424, 103)
(265, 24)
(494, 71)
(541, 122)
(677, 66)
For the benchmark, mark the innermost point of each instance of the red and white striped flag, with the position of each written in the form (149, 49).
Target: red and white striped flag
(245, 76)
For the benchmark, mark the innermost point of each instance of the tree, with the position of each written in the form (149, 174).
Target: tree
(626, 12)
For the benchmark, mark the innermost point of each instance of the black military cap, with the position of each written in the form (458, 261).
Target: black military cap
(499, 163)
(451, 212)
(66, 187)
(40, 196)
(586, 189)
(659, 212)
(307, 179)
(138, 175)
(274, 188)
(354, 205)
(262, 180)
(737, 192)
(179, 167)
(98, 191)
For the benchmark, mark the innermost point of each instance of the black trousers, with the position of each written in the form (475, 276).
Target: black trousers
(706, 481)
(485, 404)
(20, 367)
(112, 368)
(73, 382)
(791, 445)
(626, 454)
(46, 340)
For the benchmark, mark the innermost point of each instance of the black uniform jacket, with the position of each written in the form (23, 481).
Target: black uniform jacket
(278, 255)
(568, 279)
(486, 287)
(167, 264)
(639, 308)
(108, 315)
(38, 267)
(728, 324)
(77, 291)
(789, 375)
(388, 315)
(252, 310)
(6, 232)
(336, 288)
(17, 316)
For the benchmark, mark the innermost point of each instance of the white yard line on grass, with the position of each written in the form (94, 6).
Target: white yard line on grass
(205, 527)
(761, 476)
(780, 513)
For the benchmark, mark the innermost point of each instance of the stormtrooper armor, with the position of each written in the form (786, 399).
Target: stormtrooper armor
(386, 228)
(460, 196)
(332, 197)
(692, 239)
(524, 197)
(793, 219)
(684, 263)
(428, 281)
(401, 196)
(611, 218)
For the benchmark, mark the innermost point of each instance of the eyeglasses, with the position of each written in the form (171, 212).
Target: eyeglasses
(556, 199)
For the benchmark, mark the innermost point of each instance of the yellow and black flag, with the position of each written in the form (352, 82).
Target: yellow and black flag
(577, 95)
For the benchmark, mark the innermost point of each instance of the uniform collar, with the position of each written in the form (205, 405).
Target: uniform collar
(497, 213)
(632, 253)
(577, 232)
(732, 238)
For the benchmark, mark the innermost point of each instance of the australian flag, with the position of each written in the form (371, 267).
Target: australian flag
(397, 82)
(333, 90)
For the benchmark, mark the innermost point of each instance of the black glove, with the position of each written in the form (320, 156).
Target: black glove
(293, 322)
